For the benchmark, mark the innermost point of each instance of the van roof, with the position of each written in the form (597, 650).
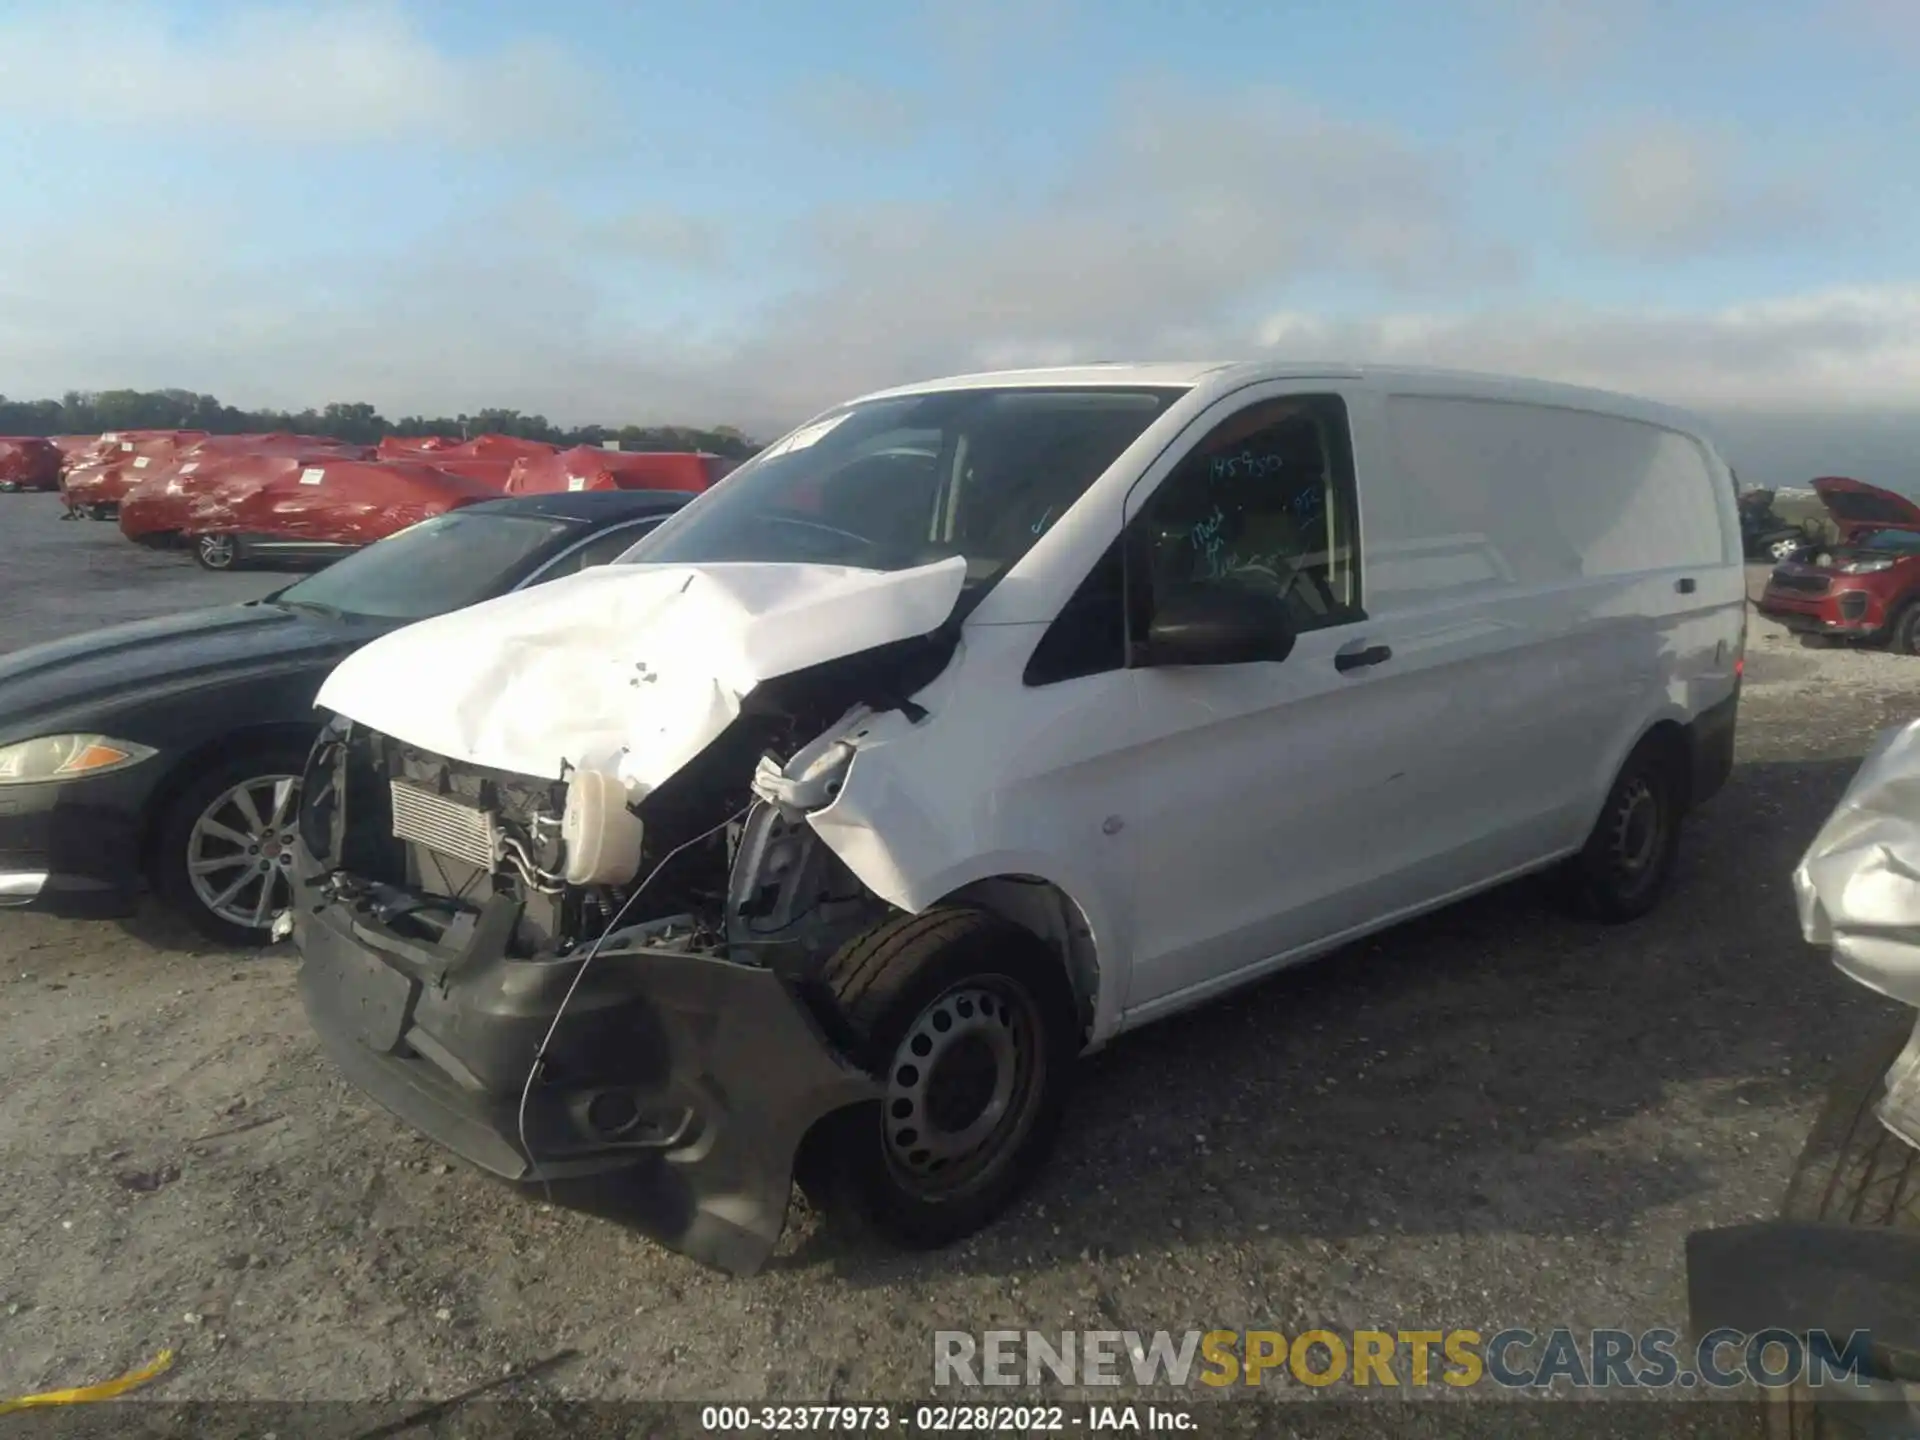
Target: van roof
(1226, 375)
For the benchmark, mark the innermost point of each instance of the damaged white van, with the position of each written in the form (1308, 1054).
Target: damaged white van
(976, 722)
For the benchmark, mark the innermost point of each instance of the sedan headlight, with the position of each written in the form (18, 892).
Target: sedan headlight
(66, 757)
(1865, 567)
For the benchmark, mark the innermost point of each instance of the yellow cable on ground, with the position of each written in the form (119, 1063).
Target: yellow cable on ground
(105, 1390)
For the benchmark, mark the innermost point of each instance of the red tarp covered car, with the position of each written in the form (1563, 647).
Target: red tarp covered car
(489, 458)
(154, 510)
(412, 447)
(587, 467)
(97, 479)
(273, 508)
(29, 462)
(482, 447)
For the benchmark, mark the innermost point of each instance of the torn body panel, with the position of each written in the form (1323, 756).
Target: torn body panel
(628, 668)
(697, 1075)
(528, 1029)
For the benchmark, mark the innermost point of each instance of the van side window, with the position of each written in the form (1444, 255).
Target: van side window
(1266, 500)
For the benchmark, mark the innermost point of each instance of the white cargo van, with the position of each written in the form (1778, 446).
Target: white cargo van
(978, 721)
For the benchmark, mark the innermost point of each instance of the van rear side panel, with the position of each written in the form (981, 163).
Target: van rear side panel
(1570, 570)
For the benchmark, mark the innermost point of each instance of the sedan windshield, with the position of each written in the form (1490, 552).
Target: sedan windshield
(442, 564)
(895, 483)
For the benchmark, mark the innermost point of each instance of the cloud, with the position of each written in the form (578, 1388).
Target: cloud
(858, 112)
(1658, 190)
(1830, 349)
(971, 35)
(671, 238)
(1198, 226)
(1557, 42)
(1879, 21)
(328, 75)
(1186, 213)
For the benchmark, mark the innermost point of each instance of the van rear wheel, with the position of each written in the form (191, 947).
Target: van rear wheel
(972, 1028)
(1625, 866)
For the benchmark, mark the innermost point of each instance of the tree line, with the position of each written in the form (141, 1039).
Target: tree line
(92, 412)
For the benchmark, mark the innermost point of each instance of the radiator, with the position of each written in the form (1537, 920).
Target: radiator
(446, 827)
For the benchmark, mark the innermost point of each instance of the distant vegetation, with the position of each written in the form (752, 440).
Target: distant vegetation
(79, 413)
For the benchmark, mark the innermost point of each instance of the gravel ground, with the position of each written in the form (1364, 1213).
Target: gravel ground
(1493, 1117)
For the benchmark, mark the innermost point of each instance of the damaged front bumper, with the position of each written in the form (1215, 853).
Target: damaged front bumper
(691, 1078)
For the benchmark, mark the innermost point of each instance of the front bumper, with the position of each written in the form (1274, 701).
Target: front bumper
(691, 1078)
(72, 848)
(1852, 613)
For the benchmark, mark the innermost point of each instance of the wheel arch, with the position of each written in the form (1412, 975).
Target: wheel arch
(1045, 910)
(1670, 737)
(247, 739)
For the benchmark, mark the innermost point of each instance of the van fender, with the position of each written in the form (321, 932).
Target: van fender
(906, 857)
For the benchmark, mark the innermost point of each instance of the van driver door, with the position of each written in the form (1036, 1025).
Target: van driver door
(1274, 802)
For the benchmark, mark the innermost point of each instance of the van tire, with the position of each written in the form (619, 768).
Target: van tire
(1852, 1171)
(1624, 869)
(978, 992)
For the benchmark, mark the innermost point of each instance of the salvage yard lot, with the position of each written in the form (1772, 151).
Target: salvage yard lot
(1495, 1117)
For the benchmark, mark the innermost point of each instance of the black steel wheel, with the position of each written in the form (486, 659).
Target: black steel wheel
(1628, 859)
(971, 1024)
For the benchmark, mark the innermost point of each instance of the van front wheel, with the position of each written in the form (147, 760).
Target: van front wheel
(1623, 870)
(969, 1023)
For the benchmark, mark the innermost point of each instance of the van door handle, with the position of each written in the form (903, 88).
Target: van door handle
(1358, 658)
(1684, 585)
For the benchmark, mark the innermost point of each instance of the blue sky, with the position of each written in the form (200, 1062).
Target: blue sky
(743, 210)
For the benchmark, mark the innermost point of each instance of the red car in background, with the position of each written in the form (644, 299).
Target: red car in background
(489, 458)
(154, 509)
(1867, 589)
(588, 467)
(283, 509)
(28, 462)
(99, 477)
(1858, 507)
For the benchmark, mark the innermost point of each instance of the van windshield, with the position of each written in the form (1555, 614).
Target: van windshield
(890, 484)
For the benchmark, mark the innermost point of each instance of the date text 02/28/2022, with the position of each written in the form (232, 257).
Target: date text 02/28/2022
(945, 1419)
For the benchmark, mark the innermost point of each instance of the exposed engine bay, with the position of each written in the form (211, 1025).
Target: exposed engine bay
(717, 860)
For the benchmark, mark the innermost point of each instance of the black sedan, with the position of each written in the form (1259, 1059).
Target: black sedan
(166, 754)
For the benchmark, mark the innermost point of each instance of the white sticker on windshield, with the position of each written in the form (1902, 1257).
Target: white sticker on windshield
(312, 475)
(141, 463)
(576, 482)
(806, 435)
(126, 444)
(110, 437)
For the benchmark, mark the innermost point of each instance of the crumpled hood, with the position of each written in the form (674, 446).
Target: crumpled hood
(630, 668)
